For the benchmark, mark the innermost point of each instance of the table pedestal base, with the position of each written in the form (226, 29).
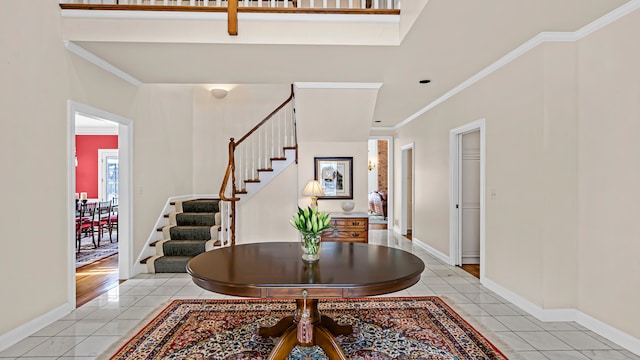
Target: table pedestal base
(324, 331)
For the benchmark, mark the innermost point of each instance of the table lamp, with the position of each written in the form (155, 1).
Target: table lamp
(314, 190)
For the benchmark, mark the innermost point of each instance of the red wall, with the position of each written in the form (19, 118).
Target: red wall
(87, 170)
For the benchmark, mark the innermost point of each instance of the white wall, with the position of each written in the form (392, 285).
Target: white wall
(519, 143)
(265, 216)
(163, 153)
(561, 156)
(372, 156)
(609, 174)
(33, 149)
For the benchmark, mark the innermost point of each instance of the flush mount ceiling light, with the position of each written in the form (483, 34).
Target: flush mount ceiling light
(425, 81)
(219, 93)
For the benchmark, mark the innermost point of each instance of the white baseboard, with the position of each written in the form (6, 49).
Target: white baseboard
(609, 332)
(605, 330)
(12, 337)
(440, 255)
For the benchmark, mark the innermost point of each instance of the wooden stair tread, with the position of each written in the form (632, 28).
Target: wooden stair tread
(278, 159)
(144, 261)
(252, 181)
(270, 169)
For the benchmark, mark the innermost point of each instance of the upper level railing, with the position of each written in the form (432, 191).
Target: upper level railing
(233, 7)
(184, 5)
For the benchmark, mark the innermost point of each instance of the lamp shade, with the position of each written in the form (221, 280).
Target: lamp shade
(313, 188)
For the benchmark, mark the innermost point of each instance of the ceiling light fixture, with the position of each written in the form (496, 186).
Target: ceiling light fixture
(425, 81)
(219, 93)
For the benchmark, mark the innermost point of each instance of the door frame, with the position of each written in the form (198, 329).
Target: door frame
(390, 172)
(125, 207)
(403, 193)
(455, 188)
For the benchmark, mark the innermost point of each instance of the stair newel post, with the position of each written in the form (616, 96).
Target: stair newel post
(232, 163)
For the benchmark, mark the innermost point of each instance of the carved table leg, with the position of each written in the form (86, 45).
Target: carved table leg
(324, 331)
(333, 326)
(284, 345)
(278, 329)
(323, 338)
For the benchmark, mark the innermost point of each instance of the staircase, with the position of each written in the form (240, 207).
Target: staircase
(200, 225)
(194, 228)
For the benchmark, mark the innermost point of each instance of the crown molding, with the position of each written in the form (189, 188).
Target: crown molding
(337, 85)
(92, 58)
(542, 37)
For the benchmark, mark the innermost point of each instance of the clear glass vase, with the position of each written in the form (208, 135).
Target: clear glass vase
(310, 246)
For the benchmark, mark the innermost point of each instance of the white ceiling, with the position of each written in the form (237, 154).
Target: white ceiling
(450, 41)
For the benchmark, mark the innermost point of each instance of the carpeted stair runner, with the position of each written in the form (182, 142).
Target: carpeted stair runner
(193, 229)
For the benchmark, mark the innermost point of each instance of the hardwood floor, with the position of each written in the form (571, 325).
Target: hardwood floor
(473, 269)
(95, 279)
(377, 226)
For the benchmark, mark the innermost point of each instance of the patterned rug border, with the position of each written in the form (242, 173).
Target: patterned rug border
(454, 308)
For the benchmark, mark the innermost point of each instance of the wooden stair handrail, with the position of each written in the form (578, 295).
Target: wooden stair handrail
(229, 173)
(266, 118)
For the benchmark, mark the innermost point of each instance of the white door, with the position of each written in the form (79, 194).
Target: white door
(470, 197)
(108, 173)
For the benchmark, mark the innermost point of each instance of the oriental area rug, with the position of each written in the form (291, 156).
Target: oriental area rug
(383, 328)
(88, 254)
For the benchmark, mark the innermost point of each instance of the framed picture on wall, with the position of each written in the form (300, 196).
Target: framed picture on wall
(335, 175)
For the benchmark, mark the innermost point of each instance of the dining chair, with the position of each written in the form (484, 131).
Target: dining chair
(85, 215)
(101, 219)
(113, 219)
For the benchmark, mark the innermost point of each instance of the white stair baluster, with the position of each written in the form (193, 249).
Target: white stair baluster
(376, 4)
(267, 158)
(337, 4)
(363, 4)
(273, 150)
(350, 4)
(273, 3)
(259, 3)
(278, 129)
(253, 156)
(324, 4)
(246, 165)
(286, 138)
(259, 148)
(166, 2)
(206, 2)
(192, 2)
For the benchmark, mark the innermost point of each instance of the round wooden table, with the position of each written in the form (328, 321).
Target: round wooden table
(276, 270)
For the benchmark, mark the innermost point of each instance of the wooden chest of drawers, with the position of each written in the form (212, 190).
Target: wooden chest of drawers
(352, 227)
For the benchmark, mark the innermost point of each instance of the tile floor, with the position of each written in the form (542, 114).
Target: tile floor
(103, 323)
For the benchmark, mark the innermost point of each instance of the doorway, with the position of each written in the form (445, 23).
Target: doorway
(77, 114)
(467, 197)
(379, 164)
(407, 206)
